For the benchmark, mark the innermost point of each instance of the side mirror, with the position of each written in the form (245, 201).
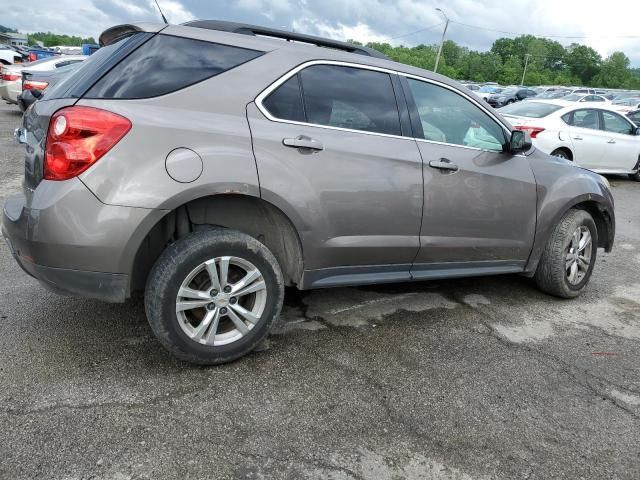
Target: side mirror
(520, 142)
(36, 93)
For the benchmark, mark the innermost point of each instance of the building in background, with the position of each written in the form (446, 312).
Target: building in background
(12, 38)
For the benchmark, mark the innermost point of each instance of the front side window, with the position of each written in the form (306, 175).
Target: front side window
(448, 117)
(615, 123)
(583, 119)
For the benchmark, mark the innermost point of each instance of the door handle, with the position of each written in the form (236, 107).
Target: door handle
(577, 138)
(611, 140)
(303, 141)
(444, 164)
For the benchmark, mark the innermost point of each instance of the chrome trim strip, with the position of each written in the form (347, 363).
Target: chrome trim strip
(267, 91)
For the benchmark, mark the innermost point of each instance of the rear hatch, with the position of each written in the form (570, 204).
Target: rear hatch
(67, 92)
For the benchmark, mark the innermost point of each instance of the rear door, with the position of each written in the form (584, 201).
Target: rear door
(332, 154)
(479, 203)
(622, 147)
(586, 137)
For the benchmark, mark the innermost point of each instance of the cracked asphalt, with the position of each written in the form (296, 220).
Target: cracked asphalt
(482, 378)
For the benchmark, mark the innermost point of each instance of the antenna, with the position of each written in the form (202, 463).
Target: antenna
(161, 14)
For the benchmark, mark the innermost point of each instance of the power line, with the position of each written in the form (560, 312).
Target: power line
(416, 31)
(542, 34)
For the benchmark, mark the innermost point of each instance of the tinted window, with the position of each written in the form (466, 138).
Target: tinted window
(165, 64)
(90, 70)
(615, 123)
(583, 119)
(286, 101)
(448, 117)
(350, 98)
(530, 109)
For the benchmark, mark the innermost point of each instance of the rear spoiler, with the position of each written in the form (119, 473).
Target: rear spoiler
(113, 34)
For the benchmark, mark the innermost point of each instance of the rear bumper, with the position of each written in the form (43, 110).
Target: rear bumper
(74, 244)
(108, 287)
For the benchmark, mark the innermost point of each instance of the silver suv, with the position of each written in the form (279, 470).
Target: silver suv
(212, 164)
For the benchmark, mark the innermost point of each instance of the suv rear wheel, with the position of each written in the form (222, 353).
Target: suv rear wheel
(213, 296)
(569, 256)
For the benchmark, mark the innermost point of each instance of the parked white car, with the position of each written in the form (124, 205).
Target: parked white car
(626, 105)
(9, 57)
(582, 98)
(487, 90)
(593, 136)
(11, 75)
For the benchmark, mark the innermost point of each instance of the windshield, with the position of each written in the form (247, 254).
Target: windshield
(573, 98)
(488, 89)
(530, 109)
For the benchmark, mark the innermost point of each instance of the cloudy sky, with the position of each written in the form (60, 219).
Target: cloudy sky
(607, 26)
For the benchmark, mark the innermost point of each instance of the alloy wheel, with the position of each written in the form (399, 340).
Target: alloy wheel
(578, 256)
(221, 300)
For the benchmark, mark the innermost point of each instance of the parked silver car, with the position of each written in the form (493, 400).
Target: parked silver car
(212, 164)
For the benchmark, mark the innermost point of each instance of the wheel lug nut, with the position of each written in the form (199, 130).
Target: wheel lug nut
(223, 311)
(233, 300)
(213, 292)
(211, 306)
(226, 289)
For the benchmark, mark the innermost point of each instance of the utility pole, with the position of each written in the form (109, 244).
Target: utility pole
(526, 62)
(444, 32)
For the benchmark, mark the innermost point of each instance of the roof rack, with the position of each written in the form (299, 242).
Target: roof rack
(246, 29)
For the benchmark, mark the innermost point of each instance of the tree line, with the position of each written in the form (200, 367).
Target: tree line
(549, 63)
(50, 39)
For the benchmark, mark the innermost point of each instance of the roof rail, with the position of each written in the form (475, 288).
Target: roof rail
(246, 29)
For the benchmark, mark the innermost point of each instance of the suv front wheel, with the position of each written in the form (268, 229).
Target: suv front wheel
(213, 296)
(568, 259)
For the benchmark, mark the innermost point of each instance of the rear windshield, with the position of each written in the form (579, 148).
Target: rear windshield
(530, 109)
(165, 64)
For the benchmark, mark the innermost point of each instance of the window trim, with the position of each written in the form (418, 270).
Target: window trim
(274, 85)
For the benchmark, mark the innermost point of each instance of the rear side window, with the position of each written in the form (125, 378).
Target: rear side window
(337, 96)
(165, 64)
(583, 119)
(286, 101)
(348, 97)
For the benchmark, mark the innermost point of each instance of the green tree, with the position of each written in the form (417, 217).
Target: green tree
(583, 62)
(614, 72)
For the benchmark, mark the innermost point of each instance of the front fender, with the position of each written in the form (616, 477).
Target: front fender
(561, 186)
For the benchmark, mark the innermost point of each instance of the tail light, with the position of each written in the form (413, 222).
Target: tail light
(32, 57)
(532, 131)
(34, 85)
(78, 137)
(10, 77)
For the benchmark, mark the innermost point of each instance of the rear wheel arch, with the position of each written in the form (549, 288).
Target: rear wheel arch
(247, 214)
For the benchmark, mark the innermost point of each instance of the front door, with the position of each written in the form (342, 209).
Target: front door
(331, 154)
(622, 146)
(479, 203)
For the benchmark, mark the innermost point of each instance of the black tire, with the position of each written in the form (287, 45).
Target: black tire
(551, 274)
(561, 152)
(174, 266)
